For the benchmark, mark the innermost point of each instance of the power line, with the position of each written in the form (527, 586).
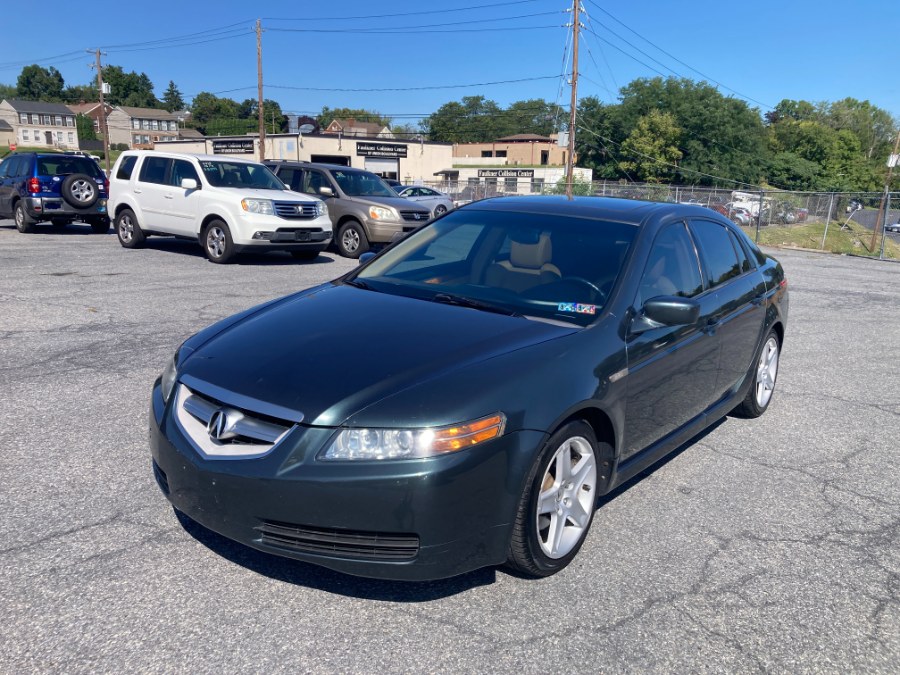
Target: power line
(443, 86)
(413, 30)
(675, 58)
(410, 28)
(209, 32)
(183, 44)
(404, 14)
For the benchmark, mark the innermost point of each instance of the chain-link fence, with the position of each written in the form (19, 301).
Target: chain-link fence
(845, 222)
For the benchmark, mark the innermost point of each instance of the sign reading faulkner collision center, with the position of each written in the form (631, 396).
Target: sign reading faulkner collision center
(380, 150)
(233, 147)
(506, 173)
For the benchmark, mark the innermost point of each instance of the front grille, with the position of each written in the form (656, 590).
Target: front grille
(418, 216)
(236, 433)
(161, 478)
(343, 543)
(296, 210)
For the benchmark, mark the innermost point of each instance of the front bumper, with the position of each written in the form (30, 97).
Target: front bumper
(410, 520)
(45, 208)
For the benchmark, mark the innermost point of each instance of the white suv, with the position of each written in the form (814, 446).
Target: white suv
(228, 205)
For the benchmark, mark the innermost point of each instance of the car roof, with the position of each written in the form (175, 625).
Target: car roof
(602, 208)
(190, 155)
(314, 165)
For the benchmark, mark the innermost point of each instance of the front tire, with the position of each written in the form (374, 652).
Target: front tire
(24, 222)
(128, 231)
(351, 240)
(217, 243)
(764, 374)
(439, 210)
(557, 507)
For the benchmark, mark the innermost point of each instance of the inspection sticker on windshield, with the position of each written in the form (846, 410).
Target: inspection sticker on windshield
(577, 308)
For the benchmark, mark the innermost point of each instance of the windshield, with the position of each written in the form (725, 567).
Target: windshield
(560, 268)
(361, 184)
(240, 174)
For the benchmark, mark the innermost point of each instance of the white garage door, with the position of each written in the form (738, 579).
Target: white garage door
(387, 168)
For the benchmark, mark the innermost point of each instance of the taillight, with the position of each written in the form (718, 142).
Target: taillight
(106, 185)
(783, 283)
(34, 185)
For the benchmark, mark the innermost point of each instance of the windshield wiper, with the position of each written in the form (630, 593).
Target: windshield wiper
(463, 301)
(358, 283)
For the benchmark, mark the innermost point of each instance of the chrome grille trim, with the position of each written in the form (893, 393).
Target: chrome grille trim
(295, 210)
(415, 216)
(249, 436)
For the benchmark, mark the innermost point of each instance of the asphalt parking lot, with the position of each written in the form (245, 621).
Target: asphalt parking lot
(765, 545)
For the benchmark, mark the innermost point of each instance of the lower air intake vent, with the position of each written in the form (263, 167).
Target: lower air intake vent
(161, 478)
(342, 543)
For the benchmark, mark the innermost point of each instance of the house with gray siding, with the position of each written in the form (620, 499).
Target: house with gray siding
(40, 124)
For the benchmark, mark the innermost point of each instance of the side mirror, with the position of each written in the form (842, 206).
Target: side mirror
(666, 310)
(326, 191)
(366, 257)
(189, 184)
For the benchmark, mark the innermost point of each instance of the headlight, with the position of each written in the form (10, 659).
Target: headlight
(369, 444)
(263, 206)
(321, 209)
(381, 213)
(167, 381)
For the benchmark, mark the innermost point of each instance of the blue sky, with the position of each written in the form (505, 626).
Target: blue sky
(801, 49)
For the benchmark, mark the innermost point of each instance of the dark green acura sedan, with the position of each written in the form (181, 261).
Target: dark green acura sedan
(463, 398)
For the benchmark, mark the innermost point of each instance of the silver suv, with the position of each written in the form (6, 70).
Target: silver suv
(227, 204)
(364, 210)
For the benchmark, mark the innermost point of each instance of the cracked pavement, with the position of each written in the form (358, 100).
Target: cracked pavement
(769, 545)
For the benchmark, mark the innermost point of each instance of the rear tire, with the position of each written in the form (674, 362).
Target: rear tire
(557, 507)
(24, 222)
(439, 210)
(128, 231)
(763, 375)
(351, 240)
(217, 243)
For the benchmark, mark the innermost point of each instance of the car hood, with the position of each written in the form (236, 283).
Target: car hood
(335, 350)
(274, 195)
(397, 202)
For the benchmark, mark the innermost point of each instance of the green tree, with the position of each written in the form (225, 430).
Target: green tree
(594, 146)
(275, 120)
(532, 116)
(80, 93)
(172, 99)
(40, 84)
(7, 91)
(474, 119)
(651, 149)
(85, 127)
(873, 126)
(328, 115)
(131, 89)
(721, 136)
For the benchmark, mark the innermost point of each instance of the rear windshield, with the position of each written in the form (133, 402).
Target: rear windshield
(240, 174)
(64, 165)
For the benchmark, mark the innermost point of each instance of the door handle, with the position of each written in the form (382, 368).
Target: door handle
(169, 197)
(758, 300)
(711, 324)
(137, 191)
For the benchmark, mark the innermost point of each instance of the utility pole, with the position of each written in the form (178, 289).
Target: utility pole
(262, 119)
(570, 156)
(882, 215)
(103, 125)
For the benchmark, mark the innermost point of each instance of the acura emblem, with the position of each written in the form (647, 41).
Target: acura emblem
(218, 427)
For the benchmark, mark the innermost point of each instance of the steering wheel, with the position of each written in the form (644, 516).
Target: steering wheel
(586, 282)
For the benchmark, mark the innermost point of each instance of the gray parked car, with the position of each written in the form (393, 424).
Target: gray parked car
(438, 202)
(364, 210)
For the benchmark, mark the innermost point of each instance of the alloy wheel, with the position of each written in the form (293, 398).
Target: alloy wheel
(766, 372)
(83, 191)
(215, 242)
(350, 240)
(566, 498)
(126, 228)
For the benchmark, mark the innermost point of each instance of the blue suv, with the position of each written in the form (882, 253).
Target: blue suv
(61, 188)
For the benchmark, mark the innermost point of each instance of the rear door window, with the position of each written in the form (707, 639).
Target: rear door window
(12, 166)
(154, 170)
(718, 252)
(672, 268)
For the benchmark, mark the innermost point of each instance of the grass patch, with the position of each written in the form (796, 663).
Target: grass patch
(854, 239)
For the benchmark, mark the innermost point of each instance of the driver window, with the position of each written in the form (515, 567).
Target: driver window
(313, 181)
(672, 268)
